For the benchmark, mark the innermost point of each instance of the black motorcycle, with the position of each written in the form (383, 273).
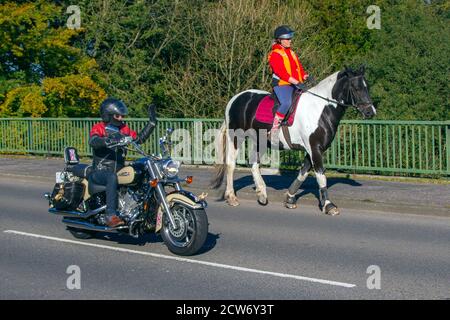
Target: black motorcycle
(150, 199)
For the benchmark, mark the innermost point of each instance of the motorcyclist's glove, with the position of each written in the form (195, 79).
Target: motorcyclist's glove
(97, 142)
(149, 127)
(114, 142)
(152, 114)
(110, 142)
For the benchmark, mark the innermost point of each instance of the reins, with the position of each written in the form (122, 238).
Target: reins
(328, 100)
(350, 91)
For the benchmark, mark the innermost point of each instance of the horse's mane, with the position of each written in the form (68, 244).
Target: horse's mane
(325, 83)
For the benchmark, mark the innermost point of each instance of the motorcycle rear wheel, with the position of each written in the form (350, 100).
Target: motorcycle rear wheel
(191, 233)
(80, 233)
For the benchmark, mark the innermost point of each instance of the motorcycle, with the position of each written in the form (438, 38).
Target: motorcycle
(150, 199)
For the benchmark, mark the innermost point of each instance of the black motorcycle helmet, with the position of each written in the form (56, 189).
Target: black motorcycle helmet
(109, 108)
(283, 32)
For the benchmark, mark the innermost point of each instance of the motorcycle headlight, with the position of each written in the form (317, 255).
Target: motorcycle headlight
(171, 168)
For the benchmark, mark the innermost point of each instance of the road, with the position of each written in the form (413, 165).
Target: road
(252, 252)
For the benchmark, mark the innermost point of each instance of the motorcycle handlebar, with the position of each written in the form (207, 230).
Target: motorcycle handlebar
(127, 140)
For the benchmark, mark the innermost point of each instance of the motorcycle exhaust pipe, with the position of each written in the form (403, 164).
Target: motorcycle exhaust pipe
(89, 226)
(76, 214)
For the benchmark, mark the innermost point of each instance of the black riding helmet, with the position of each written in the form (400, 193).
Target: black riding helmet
(109, 108)
(283, 32)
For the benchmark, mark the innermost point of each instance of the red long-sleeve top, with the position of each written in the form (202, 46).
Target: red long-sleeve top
(276, 62)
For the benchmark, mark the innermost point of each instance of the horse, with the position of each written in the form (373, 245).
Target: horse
(318, 114)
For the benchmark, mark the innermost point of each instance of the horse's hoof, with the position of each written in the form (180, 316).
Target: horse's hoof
(290, 205)
(263, 200)
(233, 202)
(290, 202)
(331, 210)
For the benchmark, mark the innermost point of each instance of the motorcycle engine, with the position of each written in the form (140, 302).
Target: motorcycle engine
(129, 204)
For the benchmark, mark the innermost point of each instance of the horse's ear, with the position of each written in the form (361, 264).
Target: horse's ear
(362, 69)
(346, 71)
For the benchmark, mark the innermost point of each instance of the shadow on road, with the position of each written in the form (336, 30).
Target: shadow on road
(283, 182)
(210, 243)
(126, 239)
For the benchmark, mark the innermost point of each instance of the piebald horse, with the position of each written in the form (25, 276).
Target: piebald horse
(319, 111)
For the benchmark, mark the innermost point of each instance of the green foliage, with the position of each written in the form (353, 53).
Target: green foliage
(134, 43)
(407, 59)
(24, 101)
(28, 44)
(36, 49)
(343, 29)
(409, 63)
(72, 96)
(191, 56)
(229, 43)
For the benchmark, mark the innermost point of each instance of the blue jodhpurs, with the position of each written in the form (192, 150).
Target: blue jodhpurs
(284, 95)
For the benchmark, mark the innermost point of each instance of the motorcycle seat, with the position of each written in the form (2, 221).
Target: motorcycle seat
(80, 170)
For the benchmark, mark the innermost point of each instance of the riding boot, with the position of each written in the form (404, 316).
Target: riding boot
(275, 131)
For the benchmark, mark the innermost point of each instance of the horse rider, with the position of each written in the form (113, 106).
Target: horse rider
(107, 159)
(288, 74)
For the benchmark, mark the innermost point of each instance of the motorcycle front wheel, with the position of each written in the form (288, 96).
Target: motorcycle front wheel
(191, 232)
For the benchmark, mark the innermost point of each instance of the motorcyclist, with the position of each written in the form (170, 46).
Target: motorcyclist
(107, 159)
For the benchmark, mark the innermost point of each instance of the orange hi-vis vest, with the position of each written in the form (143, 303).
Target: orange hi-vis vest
(287, 65)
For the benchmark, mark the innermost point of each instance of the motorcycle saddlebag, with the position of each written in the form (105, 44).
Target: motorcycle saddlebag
(67, 196)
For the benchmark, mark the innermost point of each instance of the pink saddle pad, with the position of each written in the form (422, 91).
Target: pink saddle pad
(264, 111)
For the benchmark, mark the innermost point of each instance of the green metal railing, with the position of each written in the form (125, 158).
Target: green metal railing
(376, 146)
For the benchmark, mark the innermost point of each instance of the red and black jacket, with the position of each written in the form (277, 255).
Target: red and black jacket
(113, 159)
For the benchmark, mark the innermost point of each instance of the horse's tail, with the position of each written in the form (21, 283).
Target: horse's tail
(221, 153)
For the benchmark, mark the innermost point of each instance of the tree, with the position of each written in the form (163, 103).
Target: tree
(407, 59)
(35, 46)
(229, 42)
(343, 29)
(191, 56)
(409, 62)
(134, 43)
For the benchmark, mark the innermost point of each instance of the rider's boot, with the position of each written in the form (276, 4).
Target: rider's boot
(275, 131)
(113, 221)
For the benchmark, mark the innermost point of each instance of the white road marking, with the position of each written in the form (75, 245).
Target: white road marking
(162, 256)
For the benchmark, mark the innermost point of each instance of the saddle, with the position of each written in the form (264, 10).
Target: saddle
(268, 106)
